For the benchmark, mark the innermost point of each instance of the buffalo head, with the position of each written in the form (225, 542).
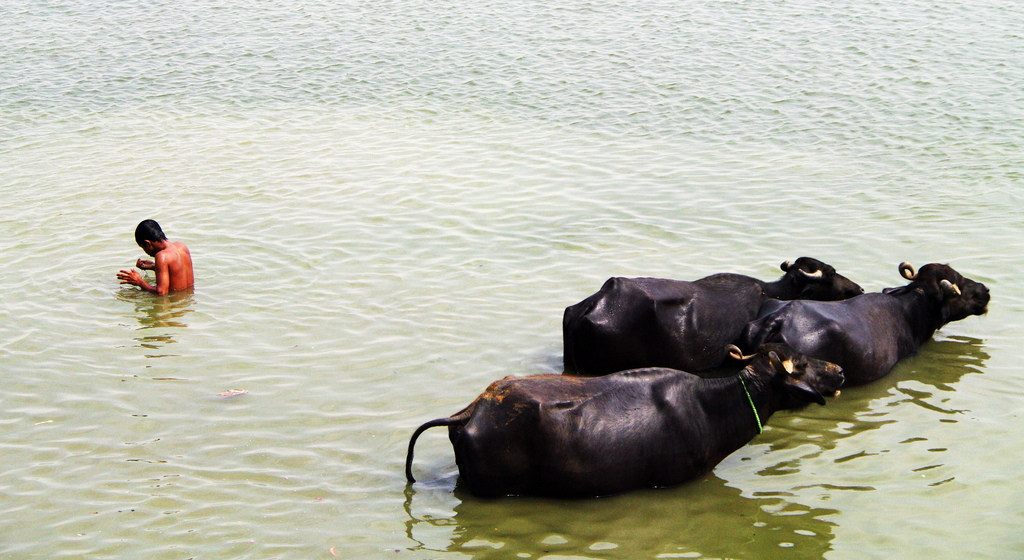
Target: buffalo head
(960, 297)
(803, 379)
(812, 279)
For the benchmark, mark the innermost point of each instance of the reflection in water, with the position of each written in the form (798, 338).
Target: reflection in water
(954, 357)
(670, 523)
(846, 447)
(773, 521)
(158, 313)
(920, 380)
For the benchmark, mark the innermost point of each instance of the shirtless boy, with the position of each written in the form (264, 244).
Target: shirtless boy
(173, 262)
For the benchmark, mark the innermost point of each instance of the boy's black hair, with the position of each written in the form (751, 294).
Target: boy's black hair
(149, 230)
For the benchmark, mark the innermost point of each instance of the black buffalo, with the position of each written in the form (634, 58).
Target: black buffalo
(654, 322)
(565, 436)
(868, 334)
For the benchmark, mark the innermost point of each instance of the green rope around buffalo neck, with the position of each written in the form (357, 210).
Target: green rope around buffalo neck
(752, 407)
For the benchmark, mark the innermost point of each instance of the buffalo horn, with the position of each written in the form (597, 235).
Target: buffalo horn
(737, 354)
(816, 275)
(907, 271)
(951, 289)
(785, 266)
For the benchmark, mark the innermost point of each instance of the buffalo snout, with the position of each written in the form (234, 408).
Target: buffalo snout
(826, 378)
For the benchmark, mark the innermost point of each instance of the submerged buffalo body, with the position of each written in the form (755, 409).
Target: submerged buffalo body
(868, 334)
(653, 322)
(563, 436)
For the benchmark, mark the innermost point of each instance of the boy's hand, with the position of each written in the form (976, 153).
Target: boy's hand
(145, 265)
(130, 277)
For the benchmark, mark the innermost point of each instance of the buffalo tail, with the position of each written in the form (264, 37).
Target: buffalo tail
(458, 418)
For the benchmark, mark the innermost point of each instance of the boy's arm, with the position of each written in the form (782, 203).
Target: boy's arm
(132, 276)
(163, 274)
(163, 278)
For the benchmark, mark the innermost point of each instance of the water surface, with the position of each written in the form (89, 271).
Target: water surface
(390, 204)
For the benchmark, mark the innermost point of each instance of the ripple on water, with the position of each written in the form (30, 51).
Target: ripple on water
(390, 208)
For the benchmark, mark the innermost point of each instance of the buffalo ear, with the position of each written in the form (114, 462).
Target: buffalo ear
(784, 367)
(950, 289)
(801, 390)
(813, 276)
(807, 292)
(900, 290)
